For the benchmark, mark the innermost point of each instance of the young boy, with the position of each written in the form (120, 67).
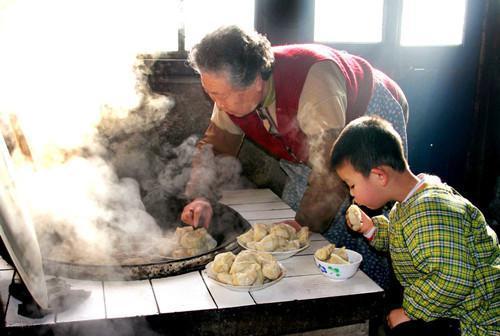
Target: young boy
(444, 254)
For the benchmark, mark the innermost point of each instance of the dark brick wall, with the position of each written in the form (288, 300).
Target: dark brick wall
(191, 114)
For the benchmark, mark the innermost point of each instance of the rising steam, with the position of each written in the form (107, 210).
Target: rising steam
(73, 84)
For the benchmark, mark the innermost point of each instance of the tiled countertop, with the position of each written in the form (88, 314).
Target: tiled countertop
(191, 303)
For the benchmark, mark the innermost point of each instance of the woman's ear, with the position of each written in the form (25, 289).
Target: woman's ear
(381, 175)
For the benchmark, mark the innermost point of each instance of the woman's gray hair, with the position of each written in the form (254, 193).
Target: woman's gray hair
(241, 54)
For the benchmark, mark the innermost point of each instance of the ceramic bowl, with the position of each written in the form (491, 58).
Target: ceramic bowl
(341, 271)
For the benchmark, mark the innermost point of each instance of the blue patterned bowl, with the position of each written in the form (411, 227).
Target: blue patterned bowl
(340, 271)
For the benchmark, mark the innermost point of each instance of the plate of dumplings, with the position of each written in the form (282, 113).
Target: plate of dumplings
(246, 271)
(279, 239)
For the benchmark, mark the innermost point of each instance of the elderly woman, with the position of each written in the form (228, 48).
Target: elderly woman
(292, 101)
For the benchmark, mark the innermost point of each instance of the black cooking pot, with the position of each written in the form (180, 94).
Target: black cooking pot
(225, 227)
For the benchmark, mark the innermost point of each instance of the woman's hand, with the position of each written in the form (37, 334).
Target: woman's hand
(396, 316)
(197, 213)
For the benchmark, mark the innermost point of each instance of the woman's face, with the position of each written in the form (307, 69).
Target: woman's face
(234, 101)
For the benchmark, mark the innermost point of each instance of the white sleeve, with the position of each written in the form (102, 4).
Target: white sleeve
(323, 100)
(224, 122)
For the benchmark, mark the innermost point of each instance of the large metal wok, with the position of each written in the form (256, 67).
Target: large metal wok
(225, 226)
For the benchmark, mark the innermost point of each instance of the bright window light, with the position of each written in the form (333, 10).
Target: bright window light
(432, 22)
(143, 26)
(202, 17)
(349, 21)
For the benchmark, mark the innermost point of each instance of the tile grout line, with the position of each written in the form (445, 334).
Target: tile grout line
(104, 299)
(208, 289)
(154, 295)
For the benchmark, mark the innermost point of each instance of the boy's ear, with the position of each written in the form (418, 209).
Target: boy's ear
(381, 175)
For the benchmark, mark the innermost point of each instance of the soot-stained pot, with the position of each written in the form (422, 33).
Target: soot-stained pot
(225, 227)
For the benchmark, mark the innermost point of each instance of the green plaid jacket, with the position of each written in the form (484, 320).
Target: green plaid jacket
(446, 257)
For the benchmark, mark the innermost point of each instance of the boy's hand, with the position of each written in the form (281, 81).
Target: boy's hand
(357, 220)
(396, 316)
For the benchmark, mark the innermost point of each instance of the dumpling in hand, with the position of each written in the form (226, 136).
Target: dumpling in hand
(355, 217)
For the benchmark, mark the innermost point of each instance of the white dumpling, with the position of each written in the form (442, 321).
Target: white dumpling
(324, 252)
(246, 256)
(194, 239)
(355, 217)
(271, 270)
(179, 253)
(252, 245)
(223, 262)
(341, 252)
(260, 230)
(303, 235)
(246, 237)
(293, 245)
(181, 231)
(246, 277)
(210, 242)
(283, 230)
(264, 257)
(191, 252)
(270, 243)
(336, 259)
(243, 261)
(225, 278)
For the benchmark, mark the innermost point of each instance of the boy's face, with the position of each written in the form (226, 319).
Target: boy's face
(366, 191)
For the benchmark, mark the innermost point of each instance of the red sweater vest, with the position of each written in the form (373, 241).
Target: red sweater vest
(292, 64)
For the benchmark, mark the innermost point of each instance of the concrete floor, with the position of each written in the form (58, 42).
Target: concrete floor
(359, 329)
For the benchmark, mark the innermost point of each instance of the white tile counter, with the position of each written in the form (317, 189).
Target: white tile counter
(193, 304)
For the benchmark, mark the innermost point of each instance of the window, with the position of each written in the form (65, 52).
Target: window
(432, 22)
(352, 21)
(202, 16)
(140, 26)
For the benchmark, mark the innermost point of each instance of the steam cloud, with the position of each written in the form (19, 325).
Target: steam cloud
(80, 95)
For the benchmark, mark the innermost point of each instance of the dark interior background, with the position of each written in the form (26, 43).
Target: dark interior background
(452, 91)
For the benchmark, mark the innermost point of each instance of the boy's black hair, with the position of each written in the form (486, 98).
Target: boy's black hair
(366, 143)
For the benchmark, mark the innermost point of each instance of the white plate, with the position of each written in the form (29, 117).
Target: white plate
(278, 255)
(211, 276)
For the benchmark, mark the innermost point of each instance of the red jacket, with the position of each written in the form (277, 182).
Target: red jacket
(292, 64)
